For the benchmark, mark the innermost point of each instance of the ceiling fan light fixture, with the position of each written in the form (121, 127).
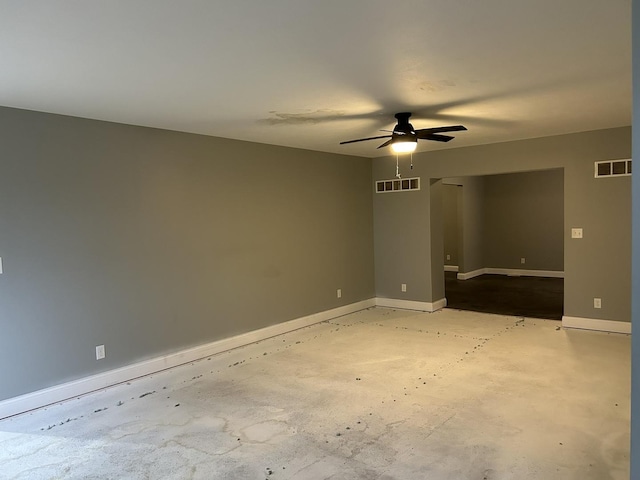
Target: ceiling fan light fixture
(404, 138)
(404, 146)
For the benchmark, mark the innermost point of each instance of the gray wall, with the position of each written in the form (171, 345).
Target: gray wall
(635, 339)
(451, 222)
(524, 217)
(436, 241)
(510, 216)
(463, 227)
(402, 242)
(596, 266)
(150, 241)
(472, 257)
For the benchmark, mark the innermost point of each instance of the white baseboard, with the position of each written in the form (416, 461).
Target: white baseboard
(76, 388)
(596, 324)
(514, 272)
(472, 274)
(411, 304)
(439, 304)
(511, 272)
(451, 268)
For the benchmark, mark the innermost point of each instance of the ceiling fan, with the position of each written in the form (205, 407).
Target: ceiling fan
(404, 138)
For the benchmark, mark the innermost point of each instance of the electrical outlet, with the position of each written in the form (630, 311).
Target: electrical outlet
(339, 293)
(576, 233)
(100, 352)
(448, 257)
(403, 287)
(522, 260)
(597, 303)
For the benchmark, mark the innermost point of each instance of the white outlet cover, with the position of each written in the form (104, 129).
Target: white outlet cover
(404, 287)
(576, 233)
(597, 303)
(339, 293)
(100, 352)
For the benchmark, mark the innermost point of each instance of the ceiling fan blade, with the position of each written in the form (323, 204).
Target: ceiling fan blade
(388, 142)
(452, 128)
(435, 137)
(365, 139)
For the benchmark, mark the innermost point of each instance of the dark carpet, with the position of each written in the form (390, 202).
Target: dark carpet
(537, 297)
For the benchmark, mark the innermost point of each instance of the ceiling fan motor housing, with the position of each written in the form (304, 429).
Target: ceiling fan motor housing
(404, 129)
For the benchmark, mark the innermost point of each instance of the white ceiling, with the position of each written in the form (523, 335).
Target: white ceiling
(311, 73)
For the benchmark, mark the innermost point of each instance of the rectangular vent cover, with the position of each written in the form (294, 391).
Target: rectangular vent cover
(613, 168)
(398, 185)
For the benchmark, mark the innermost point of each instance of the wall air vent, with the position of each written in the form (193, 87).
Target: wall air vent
(613, 168)
(398, 185)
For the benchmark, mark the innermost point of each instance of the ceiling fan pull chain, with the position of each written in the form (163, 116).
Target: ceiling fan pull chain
(397, 167)
(411, 160)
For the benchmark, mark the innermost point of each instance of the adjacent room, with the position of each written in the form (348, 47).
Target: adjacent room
(238, 240)
(518, 240)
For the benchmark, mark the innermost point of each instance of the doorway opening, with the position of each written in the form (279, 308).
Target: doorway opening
(503, 239)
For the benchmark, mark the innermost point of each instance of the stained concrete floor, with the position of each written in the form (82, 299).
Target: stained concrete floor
(379, 394)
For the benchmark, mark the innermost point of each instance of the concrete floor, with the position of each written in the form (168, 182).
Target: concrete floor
(379, 394)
